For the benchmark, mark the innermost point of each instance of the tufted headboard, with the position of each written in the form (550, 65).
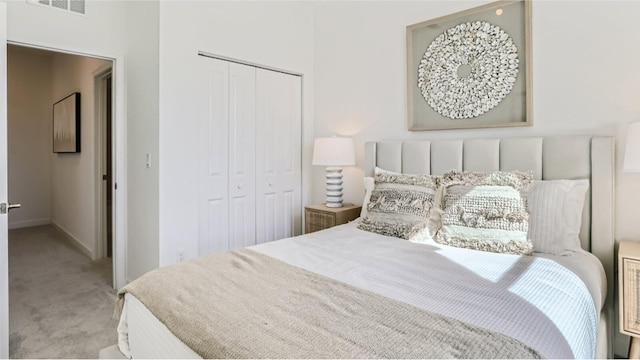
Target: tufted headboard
(558, 157)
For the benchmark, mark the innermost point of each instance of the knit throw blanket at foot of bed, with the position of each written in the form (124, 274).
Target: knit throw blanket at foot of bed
(242, 304)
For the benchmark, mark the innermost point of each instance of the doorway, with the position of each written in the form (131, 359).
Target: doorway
(89, 174)
(66, 194)
(71, 191)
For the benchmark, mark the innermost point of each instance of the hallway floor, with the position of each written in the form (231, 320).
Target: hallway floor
(60, 302)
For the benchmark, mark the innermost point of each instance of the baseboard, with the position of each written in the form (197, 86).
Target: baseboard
(28, 223)
(74, 241)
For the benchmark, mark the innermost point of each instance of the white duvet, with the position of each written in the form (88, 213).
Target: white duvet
(531, 298)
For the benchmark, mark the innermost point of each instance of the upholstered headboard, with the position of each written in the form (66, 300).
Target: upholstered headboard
(561, 157)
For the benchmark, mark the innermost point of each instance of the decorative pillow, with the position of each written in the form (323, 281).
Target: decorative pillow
(485, 211)
(556, 215)
(369, 184)
(400, 205)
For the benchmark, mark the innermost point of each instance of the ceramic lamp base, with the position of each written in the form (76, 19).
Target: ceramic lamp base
(334, 187)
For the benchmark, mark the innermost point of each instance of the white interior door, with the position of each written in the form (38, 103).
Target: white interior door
(250, 187)
(242, 155)
(214, 169)
(278, 159)
(4, 244)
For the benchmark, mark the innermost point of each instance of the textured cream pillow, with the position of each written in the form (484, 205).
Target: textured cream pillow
(400, 205)
(485, 211)
(555, 208)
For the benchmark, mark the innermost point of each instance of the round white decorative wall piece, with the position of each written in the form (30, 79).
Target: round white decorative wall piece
(468, 70)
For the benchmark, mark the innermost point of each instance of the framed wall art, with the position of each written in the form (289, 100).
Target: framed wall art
(66, 124)
(471, 69)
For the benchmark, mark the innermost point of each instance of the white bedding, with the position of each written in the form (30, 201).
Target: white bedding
(532, 299)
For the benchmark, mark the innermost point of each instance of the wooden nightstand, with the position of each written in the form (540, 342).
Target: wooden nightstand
(320, 217)
(629, 293)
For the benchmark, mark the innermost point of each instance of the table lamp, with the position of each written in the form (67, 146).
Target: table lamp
(333, 153)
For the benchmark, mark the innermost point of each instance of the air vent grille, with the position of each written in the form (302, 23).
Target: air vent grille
(75, 6)
(60, 4)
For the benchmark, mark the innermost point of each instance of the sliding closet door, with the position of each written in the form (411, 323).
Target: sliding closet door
(278, 159)
(214, 174)
(242, 155)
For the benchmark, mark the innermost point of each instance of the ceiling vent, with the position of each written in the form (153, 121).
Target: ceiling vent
(74, 6)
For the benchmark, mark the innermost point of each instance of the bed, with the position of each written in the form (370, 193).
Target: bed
(349, 293)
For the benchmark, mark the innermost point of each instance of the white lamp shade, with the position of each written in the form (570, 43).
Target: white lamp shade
(632, 149)
(333, 151)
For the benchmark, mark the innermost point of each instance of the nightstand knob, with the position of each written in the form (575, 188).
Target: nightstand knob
(270, 183)
(239, 186)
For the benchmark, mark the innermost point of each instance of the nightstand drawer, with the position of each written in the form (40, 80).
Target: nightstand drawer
(320, 217)
(631, 310)
(321, 220)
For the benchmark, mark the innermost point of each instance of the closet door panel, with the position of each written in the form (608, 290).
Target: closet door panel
(290, 117)
(266, 222)
(267, 159)
(213, 173)
(278, 157)
(242, 155)
(289, 221)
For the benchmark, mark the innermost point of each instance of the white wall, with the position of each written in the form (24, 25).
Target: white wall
(100, 32)
(143, 86)
(584, 81)
(29, 106)
(74, 183)
(275, 34)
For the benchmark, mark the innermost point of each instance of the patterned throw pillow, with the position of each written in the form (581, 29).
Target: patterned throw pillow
(485, 211)
(400, 204)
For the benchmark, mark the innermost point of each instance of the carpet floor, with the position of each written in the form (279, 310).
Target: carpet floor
(60, 302)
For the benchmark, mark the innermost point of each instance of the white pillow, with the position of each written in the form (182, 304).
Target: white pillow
(555, 208)
(378, 170)
(369, 184)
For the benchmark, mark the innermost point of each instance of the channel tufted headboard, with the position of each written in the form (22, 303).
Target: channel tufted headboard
(558, 157)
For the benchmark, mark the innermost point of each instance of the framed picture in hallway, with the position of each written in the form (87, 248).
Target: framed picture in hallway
(66, 124)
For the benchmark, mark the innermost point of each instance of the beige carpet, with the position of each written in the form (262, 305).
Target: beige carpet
(60, 302)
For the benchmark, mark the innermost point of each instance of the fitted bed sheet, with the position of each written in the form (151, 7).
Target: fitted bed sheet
(392, 267)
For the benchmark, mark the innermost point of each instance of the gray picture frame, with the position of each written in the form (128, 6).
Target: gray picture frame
(515, 109)
(66, 124)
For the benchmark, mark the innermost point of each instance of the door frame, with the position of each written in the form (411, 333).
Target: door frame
(119, 164)
(4, 219)
(99, 78)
